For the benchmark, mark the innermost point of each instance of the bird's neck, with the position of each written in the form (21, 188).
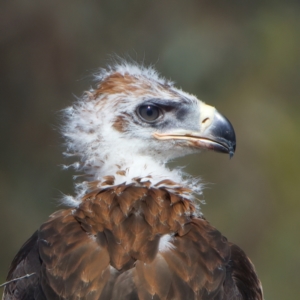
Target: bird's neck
(131, 170)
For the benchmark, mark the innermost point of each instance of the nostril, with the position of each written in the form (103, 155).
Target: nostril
(205, 120)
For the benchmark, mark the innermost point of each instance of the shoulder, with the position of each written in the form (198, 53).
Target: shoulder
(241, 278)
(22, 279)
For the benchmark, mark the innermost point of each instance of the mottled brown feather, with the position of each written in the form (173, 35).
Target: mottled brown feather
(111, 247)
(120, 124)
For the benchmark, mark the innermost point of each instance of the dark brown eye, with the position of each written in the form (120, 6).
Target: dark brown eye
(149, 112)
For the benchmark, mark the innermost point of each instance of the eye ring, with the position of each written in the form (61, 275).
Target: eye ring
(149, 113)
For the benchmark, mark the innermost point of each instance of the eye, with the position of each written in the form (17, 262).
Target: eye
(149, 113)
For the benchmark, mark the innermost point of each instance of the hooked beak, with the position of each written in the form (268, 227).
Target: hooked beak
(216, 132)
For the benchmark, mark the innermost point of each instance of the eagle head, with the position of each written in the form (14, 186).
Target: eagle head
(135, 121)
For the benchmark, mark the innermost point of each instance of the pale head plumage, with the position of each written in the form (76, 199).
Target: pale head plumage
(105, 130)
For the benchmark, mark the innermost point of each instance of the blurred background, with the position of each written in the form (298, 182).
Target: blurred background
(240, 56)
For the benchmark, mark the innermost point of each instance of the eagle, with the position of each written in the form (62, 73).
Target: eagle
(134, 229)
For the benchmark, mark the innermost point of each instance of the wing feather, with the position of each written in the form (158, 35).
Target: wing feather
(25, 262)
(148, 247)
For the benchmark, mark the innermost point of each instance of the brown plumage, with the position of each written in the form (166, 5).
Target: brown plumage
(143, 239)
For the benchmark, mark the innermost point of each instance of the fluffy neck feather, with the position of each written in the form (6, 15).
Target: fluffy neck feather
(133, 170)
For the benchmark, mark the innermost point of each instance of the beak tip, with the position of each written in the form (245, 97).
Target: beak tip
(231, 150)
(224, 133)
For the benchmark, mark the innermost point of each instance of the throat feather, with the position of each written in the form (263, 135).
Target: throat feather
(133, 218)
